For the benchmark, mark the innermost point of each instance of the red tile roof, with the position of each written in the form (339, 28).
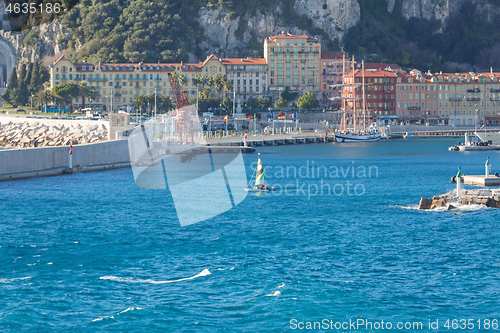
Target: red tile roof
(63, 57)
(210, 57)
(244, 61)
(378, 73)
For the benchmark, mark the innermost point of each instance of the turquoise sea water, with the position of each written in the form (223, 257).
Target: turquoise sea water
(95, 252)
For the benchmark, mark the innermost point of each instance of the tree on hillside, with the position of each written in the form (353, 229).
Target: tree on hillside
(11, 94)
(280, 103)
(308, 101)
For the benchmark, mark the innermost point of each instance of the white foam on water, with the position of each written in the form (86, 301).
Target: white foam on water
(205, 272)
(102, 318)
(117, 314)
(130, 309)
(15, 279)
(275, 294)
(49, 263)
(281, 285)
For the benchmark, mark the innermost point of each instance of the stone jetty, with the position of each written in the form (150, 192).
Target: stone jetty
(26, 135)
(486, 197)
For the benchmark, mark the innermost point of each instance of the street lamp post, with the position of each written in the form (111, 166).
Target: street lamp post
(31, 102)
(154, 123)
(111, 111)
(475, 119)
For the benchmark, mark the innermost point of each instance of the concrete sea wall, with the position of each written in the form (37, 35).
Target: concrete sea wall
(32, 162)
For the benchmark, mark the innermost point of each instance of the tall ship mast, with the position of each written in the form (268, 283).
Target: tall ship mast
(359, 130)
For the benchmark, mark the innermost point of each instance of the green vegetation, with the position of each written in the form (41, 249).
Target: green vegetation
(24, 83)
(258, 103)
(133, 31)
(289, 96)
(308, 101)
(167, 30)
(207, 87)
(280, 103)
(145, 104)
(469, 37)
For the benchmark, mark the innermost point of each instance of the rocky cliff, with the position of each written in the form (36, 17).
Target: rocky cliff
(229, 34)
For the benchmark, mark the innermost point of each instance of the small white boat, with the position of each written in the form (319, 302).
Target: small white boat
(259, 184)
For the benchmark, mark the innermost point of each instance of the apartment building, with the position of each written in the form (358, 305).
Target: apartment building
(459, 99)
(293, 62)
(117, 84)
(470, 98)
(380, 91)
(417, 98)
(332, 66)
(248, 76)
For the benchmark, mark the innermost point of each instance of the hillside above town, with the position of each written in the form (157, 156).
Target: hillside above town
(453, 35)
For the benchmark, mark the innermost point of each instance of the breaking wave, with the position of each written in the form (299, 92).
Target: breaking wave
(117, 314)
(205, 272)
(14, 279)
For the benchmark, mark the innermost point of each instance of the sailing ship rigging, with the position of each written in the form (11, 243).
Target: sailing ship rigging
(353, 125)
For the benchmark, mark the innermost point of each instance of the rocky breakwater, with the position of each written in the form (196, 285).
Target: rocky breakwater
(486, 197)
(25, 135)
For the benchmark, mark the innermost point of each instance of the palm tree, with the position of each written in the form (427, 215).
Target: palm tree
(196, 79)
(180, 79)
(205, 93)
(150, 101)
(86, 91)
(228, 86)
(139, 102)
(203, 81)
(183, 79)
(219, 84)
(46, 92)
(165, 103)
